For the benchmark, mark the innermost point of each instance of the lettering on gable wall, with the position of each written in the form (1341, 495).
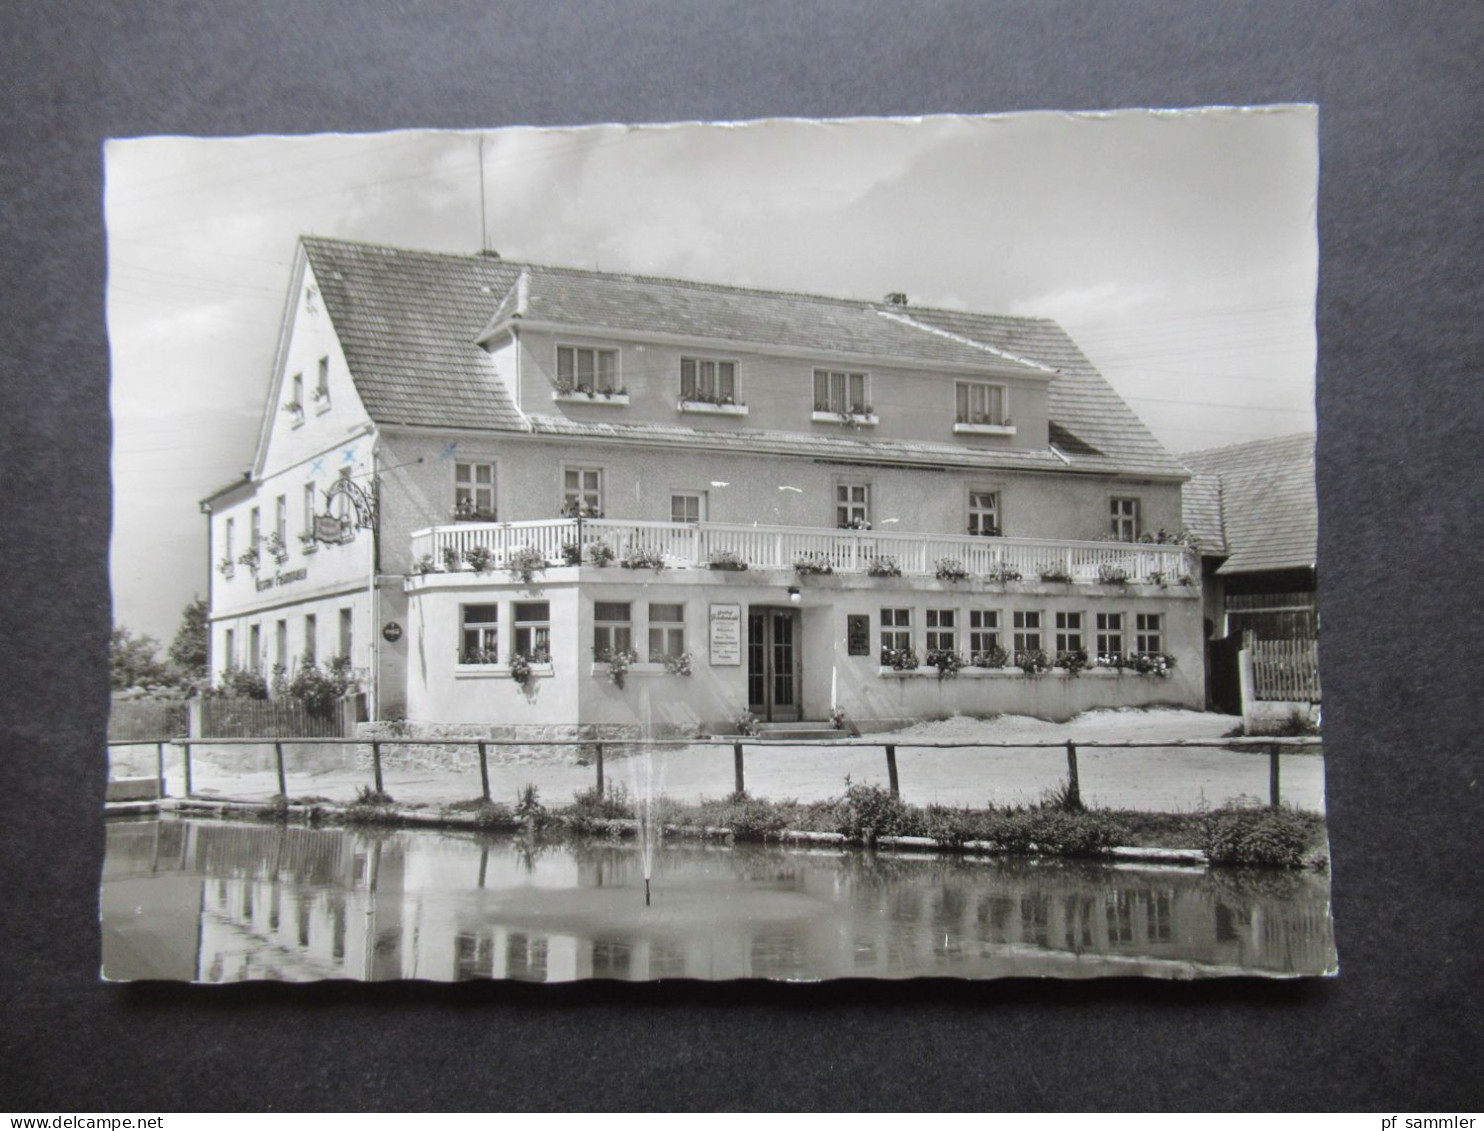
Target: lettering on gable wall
(286, 577)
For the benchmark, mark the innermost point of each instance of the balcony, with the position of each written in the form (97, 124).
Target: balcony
(693, 546)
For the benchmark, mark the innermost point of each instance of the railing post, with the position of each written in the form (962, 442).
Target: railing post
(741, 784)
(1074, 785)
(484, 773)
(891, 771)
(186, 751)
(160, 767)
(376, 764)
(1273, 792)
(599, 760)
(283, 785)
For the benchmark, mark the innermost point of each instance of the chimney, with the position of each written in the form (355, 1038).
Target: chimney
(897, 298)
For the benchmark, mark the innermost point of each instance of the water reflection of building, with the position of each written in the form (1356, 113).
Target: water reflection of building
(228, 902)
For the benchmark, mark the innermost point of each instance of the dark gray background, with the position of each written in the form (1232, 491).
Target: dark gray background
(1400, 562)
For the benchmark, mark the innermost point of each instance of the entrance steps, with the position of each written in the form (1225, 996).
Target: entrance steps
(800, 731)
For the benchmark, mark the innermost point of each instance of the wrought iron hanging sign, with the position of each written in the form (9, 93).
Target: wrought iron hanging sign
(361, 507)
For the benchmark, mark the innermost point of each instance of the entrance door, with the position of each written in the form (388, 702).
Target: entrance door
(774, 664)
(1223, 674)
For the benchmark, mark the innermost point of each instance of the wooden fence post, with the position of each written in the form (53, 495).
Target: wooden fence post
(741, 785)
(160, 767)
(1074, 784)
(376, 764)
(484, 778)
(186, 752)
(1273, 791)
(283, 785)
(891, 771)
(599, 760)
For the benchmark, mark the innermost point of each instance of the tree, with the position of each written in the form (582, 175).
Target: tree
(188, 649)
(132, 660)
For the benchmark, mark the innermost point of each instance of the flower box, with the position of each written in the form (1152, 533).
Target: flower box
(707, 408)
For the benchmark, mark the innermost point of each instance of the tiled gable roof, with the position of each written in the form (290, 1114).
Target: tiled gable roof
(409, 323)
(1269, 513)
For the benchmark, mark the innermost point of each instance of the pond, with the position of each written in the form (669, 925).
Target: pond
(219, 901)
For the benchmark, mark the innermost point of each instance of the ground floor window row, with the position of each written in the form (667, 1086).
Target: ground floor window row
(618, 627)
(265, 646)
(987, 638)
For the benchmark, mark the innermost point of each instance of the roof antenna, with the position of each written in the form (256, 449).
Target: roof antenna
(484, 239)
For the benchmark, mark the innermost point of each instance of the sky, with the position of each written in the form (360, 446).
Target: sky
(1178, 248)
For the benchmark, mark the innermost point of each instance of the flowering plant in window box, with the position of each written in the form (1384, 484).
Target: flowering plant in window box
(678, 665)
(1115, 660)
(884, 566)
(900, 659)
(985, 530)
(227, 567)
(1001, 573)
(726, 560)
(1073, 662)
(812, 564)
(856, 524)
(520, 665)
(571, 554)
(320, 394)
(948, 662)
(618, 661)
(275, 546)
(950, 569)
(479, 656)
(576, 508)
(424, 565)
(308, 543)
(568, 389)
(641, 558)
(1033, 661)
(481, 559)
(1055, 573)
(1110, 574)
(293, 408)
(453, 561)
(600, 554)
(702, 396)
(992, 657)
(249, 558)
(522, 564)
(465, 510)
(1152, 663)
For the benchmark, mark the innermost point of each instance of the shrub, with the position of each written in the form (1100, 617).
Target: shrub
(884, 566)
(369, 795)
(522, 564)
(452, 560)
(868, 812)
(321, 688)
(239, 683)
(1073, 663)
(600, 554)
(726, 559)
(749, 818)
(571, 554)
(1273, 837)
(1055, 832)
(641, 558)
(528, 805)
(746, 723)
(812, 564)
(953, 828)
(994, 657)
(948, 662)
(613, 805)
(425, 564)
(950, 569)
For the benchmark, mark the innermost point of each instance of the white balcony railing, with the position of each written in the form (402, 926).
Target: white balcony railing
(692, 545)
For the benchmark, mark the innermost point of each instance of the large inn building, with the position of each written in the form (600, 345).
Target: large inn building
(444, 431)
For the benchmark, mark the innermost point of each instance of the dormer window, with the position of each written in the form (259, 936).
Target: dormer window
(586, 370)
(980, 403)
(842, 393)
(708, 382)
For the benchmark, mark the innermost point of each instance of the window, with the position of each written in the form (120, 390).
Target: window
(1124, 516)
(583, 487)
(311, 639)
(984, 512)
(1147, 632)
(322, 386)
(229, 536)
(479, 640)
(852, 505)
(896, 632)
(979, 403)
(688, 506)
(714, 382)
(583, 369)
(984, 631)
(666, 631)
(1068, 632)
(533, 630)
(1110, 634)
(297, 399)
(257, 527)
(254, 648)
(281, 518)
(345, 633)
(1027, 631)
(941, 636)
(281, 645)
(836, 391)
(857, 634)
(474, 491)
(309, 508)
(611, 629)
(229, 649)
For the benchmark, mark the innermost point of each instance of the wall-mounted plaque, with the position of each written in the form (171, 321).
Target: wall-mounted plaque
(858, 634)
(726, 635)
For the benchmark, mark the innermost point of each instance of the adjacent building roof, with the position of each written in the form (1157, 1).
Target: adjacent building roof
(1264, 515)
(410, 322)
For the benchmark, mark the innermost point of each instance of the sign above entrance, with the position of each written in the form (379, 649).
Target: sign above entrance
(726, 635)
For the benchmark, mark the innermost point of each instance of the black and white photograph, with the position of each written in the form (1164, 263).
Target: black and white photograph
(794, 549)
